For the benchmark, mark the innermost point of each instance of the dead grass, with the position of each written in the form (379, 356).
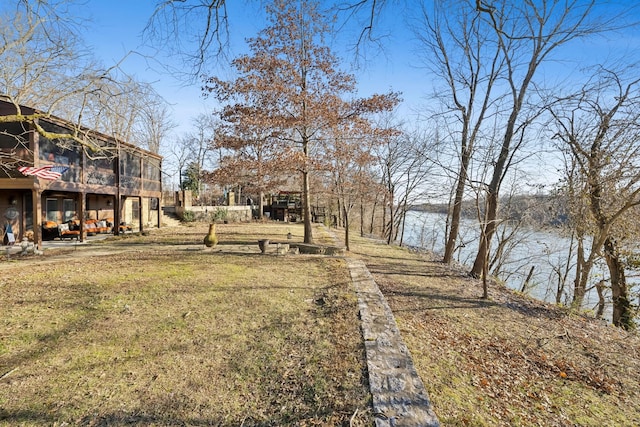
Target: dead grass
(509, 360)
(150, 330)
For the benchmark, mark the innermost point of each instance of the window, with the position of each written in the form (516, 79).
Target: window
(152, 169)
(68, 210)
(54, 152)
(135, 210)
(13, 135)
(52, 210)
(130, 164)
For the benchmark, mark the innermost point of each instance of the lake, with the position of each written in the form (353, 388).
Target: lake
(546, 251)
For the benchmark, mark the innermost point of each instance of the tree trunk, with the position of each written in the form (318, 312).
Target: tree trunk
(306, 208)
(580, 285)
(384, 216)
(450, 246)
(373, 216)
(526, 281)
(402, 225)
(580, 282)
(485, 283)
(564, 273)
(622, 315)
(361, 217)
(260, 205)
(345, 216)
(601, 303)
(390, 225)
(486, 235)
(306, 197)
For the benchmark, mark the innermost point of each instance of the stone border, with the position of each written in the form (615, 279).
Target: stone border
(399, 396)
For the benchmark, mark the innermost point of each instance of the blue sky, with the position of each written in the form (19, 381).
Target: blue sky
(116, 31)
(117, 26)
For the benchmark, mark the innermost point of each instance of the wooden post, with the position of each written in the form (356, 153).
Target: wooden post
(36, 194)
(82, 207)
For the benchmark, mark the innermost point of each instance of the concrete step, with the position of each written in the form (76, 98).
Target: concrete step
(169, 220)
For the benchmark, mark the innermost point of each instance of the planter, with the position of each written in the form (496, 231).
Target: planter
(210, 240)
(263, 245)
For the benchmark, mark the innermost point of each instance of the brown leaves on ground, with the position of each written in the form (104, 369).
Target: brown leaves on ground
(508, 360)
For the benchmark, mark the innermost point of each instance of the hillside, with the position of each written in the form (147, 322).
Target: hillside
(509, 360)
(540, 210)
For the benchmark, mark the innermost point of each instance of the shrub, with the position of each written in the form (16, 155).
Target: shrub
(188, 216)
(219, 214)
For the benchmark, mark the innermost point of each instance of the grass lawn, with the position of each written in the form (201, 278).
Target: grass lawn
(153, 330)
(148, 330)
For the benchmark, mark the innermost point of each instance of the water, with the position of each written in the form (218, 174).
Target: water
(546, 251)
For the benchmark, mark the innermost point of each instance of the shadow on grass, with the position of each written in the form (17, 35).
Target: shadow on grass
(113, 419)
(422, 270)
(30, 417)
(181, 241)
(298, 369)
(445, 301)
(281, 378)
(427, 300)
(51, 341)
(508, 298)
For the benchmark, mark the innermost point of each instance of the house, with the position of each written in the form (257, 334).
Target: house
(104, 185)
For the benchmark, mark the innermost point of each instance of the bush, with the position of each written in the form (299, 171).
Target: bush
(220, 214)
(188, 216)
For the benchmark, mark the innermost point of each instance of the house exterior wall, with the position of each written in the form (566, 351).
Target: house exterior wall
(116, 181)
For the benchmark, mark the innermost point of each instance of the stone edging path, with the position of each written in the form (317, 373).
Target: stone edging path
(399, 396)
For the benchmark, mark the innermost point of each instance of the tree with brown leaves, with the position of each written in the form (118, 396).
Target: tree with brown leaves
(290, 86)
(250, 156)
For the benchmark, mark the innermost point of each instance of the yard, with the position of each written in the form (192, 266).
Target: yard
(156, 331)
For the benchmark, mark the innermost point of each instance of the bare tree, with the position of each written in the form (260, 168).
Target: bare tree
(131, 112)
(349, 159)
(405, 165)
(527, 34)
(177, 24)
(179, 154)
(600, 126)
(196, 149)
(154, 124)
(252, 157)
(202, 140)
(48, 72)
(459, 49)
(199, 31)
